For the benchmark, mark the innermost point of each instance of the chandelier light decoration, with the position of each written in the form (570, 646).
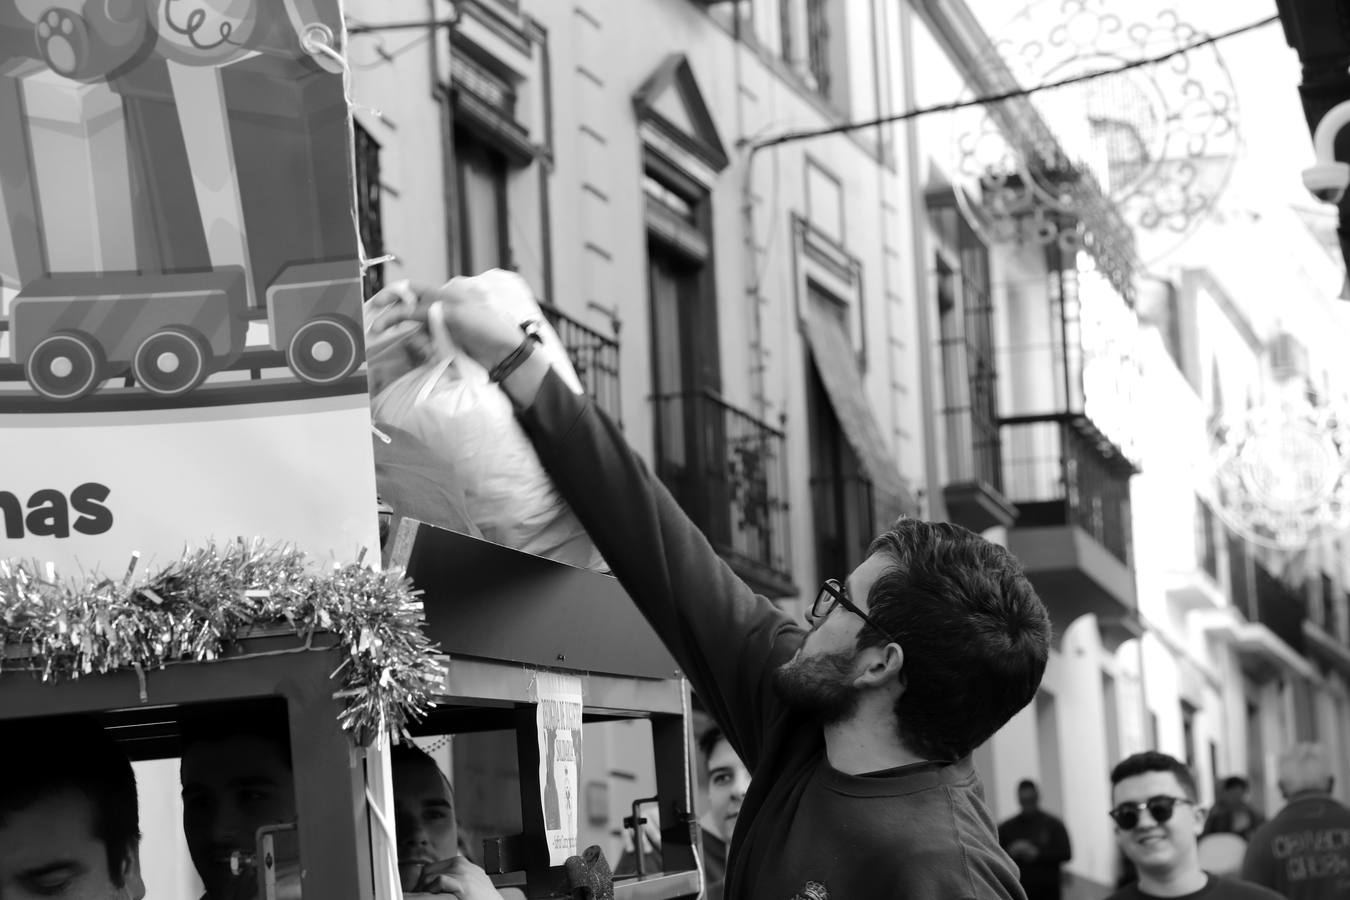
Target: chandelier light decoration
(1145, 152)
(1280, 471)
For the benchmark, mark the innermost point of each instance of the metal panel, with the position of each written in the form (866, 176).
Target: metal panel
(484, 600)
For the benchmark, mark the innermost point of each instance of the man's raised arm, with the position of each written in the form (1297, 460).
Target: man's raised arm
(727, 640)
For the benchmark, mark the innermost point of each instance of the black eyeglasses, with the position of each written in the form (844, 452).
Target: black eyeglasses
(1160, 808)
(833, 593)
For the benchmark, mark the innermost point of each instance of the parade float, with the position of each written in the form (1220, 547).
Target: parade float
(189, 504)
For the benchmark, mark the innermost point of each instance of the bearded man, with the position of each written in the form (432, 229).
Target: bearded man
(858, 731)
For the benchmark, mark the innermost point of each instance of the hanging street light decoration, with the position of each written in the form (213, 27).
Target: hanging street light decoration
(1280, 471)
(1147, 150)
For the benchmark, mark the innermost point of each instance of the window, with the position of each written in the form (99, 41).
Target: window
(488, 143)
(842, 501)
(1239, 574)
(1329, 598)
(818, 46)
(843, 505)
(683, 335)
(725, 468)
(368, 216)
(809, 40)
(674, 286)
(480, 173)
(786, 29)
(1188, 713)
(1111, 713)
(966, 339)
(1206, 548)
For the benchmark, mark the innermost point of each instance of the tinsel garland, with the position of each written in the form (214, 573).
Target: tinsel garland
(197, 608)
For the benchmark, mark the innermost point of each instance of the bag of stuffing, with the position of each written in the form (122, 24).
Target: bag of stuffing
(447, 403)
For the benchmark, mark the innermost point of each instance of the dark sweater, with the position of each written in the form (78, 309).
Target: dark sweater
(1215, 888)
(805, 830)
(1304, 852)
(1040, 876)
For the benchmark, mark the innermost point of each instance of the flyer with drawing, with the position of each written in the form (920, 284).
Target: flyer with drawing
(558, 730)
(181, 355)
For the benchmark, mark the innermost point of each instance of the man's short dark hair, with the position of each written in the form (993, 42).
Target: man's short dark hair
(708, 741)
(47, 756)
(1027, 784)
(1153, 761)
(1235, 781)
(210, 723)
(974, 633)
(409, 754)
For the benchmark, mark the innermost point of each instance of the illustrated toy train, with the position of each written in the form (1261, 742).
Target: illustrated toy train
(170, 203)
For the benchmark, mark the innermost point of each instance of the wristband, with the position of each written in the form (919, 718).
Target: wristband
(516, 357)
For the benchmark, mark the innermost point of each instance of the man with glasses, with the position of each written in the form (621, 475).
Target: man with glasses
(859, 731)
(1158, 823)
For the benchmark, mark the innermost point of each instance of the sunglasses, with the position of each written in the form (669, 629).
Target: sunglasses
(1160, 808)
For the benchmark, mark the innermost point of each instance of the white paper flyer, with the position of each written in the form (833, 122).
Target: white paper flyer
(558, 730)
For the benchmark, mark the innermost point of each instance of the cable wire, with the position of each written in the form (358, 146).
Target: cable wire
(791, 136)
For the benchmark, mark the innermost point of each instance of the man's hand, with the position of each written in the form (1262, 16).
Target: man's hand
(1023, 850)
(465, 316)
(459, 877)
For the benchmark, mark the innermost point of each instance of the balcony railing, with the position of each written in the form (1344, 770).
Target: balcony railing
(1206, 540)
(973, 451)
(1059, 470)
(594, 356)
(1281, 607)
(1330, 600)
(1240, 574)
(728, 470)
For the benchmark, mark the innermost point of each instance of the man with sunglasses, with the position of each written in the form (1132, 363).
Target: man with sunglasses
(859, 731)
(1158, 824)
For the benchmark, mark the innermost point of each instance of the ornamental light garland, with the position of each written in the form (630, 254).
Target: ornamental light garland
(198, 608)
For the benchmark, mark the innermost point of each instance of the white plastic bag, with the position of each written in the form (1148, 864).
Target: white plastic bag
(469, 423)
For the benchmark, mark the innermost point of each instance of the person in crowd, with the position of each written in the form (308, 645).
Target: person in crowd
(1232, 814)
(236, 778)
(860, 729)
(430, 855)
(1304, 851)
(1038, 842)
(69, 818)
(1158, 823)
(727, 780)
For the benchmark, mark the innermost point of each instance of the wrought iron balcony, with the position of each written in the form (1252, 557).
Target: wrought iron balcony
(594, 356)
(1059, 470)
(728, 471)
(1071, 487)
(1240, 575)
(1281, 607)
(974, 493)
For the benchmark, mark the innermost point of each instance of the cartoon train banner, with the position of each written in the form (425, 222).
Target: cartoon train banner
(179, 275)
